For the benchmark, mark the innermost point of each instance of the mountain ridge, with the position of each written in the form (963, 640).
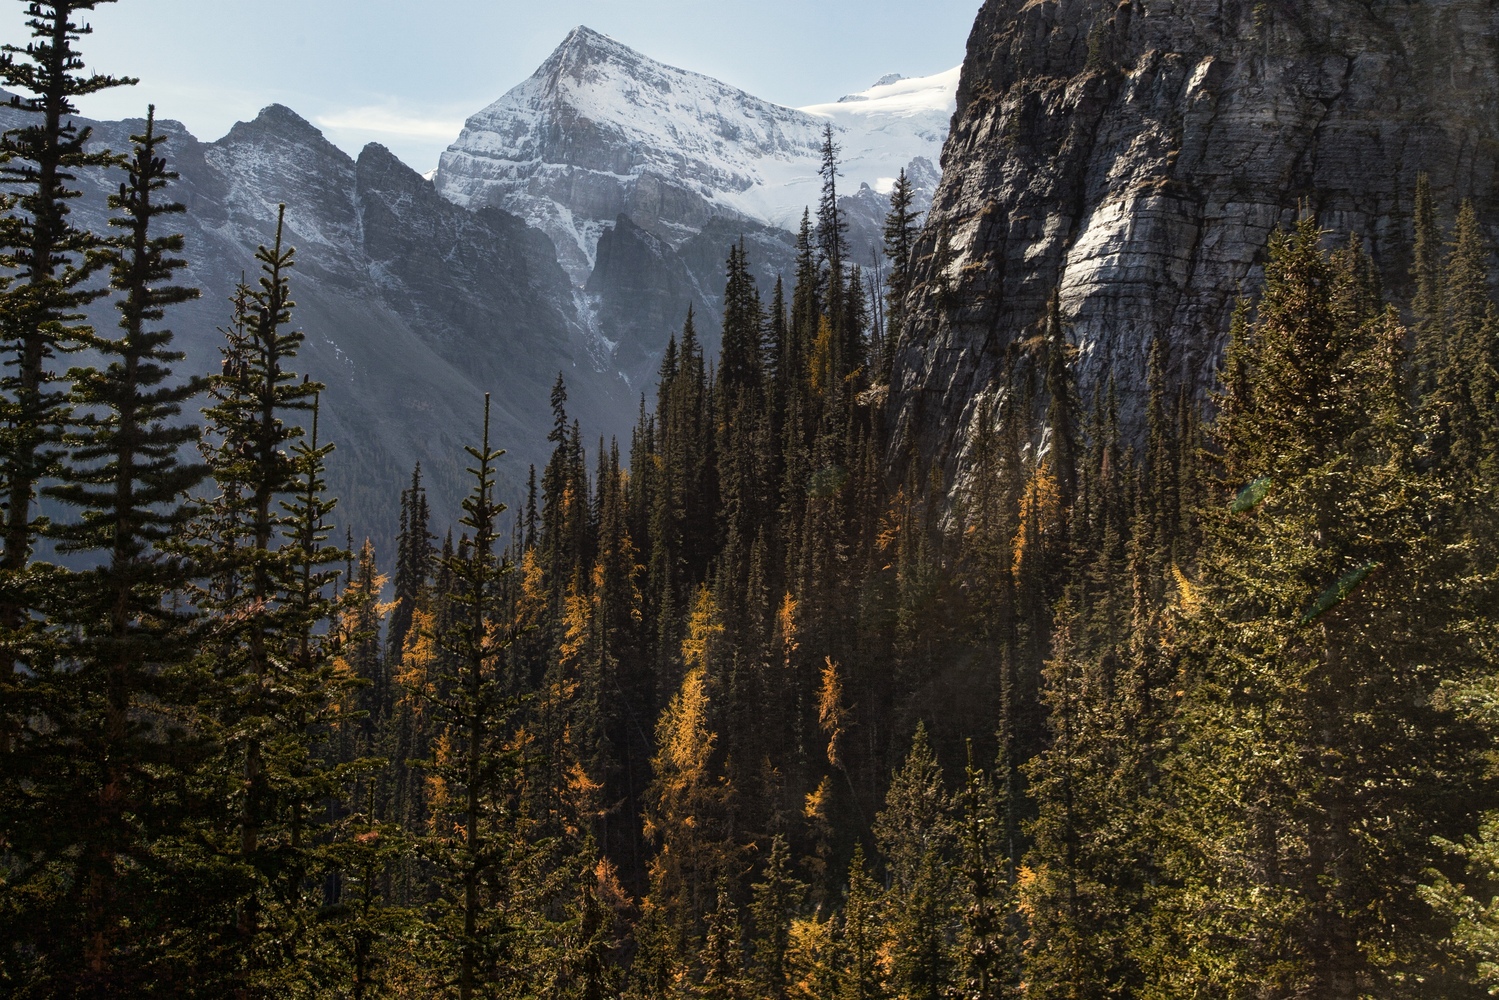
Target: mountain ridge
(413, 307)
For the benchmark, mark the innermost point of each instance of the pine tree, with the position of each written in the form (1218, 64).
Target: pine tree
(988, 965)
(122, 683)
(477, 841)
(262, 545)
(53, 263)
(917, 839)
(1075, 899)
(860, 936)
(776, 901)
(413, 557)
(740, 361)
(1461, 397)
(1061, 414)
(49, 263)
(832, 228)
(724, 975)
(1426, 268)
(901, 227)
(361, 929)
(1319, 593)
(1161, 463)
(594, 974)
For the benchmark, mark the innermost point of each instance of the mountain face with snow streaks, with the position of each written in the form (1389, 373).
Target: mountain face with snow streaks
(601, 131)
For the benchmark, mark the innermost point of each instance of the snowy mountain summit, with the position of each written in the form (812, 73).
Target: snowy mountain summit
(601, 131)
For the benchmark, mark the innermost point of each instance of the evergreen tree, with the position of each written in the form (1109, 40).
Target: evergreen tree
(477, 840)
(122, 685)
(1061, 414)
(901, 228)
(988, 963)
(1075, 901)
(724, 975)
(1461, 398)
(776, 901)
(1307, 720)
(832, 228)
(49, 263)
(861, 936)
(51, 256)
(917, 839)
(413, 557)
(740, 362)
(261, 543)
(1426, 306)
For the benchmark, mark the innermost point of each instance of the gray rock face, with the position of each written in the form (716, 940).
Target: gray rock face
(413, 307)
(642, 287)
(1137, 155)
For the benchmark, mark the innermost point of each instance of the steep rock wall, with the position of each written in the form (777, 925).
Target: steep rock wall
(1136, 156)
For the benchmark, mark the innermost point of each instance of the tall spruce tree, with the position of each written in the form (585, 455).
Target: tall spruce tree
(988, 959)
(49, 263)
(263, 572)
(413, 558)
(1426, 269)
(51, 255)
(477, 842)
(1331, 610)
(121, 690)
(918, 840)
(861, 935)
(901, 228)
(832, 228)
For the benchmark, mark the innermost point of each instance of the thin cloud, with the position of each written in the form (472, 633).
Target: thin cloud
(386, 121)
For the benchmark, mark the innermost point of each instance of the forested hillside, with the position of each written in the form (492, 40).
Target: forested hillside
(732, 709)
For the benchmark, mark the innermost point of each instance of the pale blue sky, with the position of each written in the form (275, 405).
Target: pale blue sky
(407, 73)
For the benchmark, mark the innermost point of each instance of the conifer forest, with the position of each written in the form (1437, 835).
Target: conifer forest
(755, 705)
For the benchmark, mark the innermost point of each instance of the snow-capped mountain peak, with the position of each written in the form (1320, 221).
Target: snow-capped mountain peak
(601, 130)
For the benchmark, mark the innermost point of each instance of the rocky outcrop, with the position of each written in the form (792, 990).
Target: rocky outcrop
(1136, 155)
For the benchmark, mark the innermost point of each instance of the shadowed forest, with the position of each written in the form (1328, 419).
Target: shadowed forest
(752, 705)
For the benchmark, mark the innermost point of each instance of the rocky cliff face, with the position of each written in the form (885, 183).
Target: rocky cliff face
(642, 286)
(1136, 155)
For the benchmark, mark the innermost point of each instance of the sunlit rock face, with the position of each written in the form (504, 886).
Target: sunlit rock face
(1136, 156)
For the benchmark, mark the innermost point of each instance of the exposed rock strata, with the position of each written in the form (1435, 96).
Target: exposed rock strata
(1137, 156)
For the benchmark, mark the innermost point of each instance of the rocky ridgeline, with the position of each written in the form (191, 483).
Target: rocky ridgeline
(1136, 157)
(413, 307)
